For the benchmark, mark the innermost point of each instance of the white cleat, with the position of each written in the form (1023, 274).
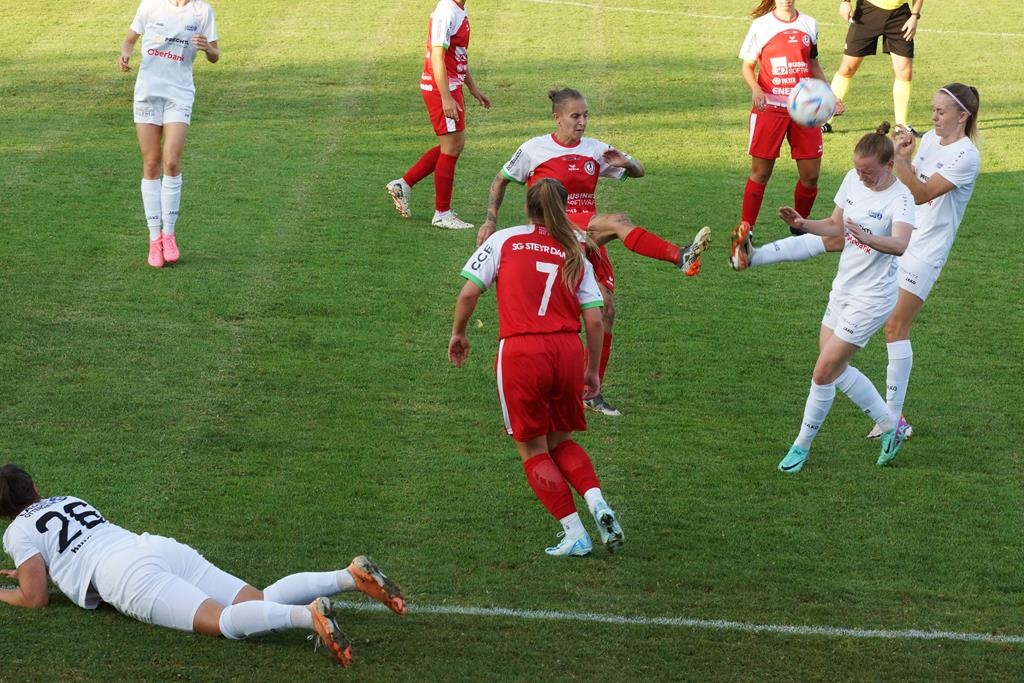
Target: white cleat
(579, 546)
(611, 533)
(449, 220)
(400, 193)
(876, 432)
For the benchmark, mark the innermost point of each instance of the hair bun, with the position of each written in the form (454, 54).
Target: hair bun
(883, 128)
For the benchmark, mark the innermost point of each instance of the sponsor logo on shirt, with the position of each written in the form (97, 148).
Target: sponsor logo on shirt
(192, 27)
(877, 215)
(184, 42)
(534, 246)
(482, 256)
(166, 54)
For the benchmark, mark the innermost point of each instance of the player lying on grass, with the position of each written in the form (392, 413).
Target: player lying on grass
(160, 581)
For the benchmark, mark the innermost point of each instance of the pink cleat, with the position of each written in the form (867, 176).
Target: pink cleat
(171, 253)
(156, 253)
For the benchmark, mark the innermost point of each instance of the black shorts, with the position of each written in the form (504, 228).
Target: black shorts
(871, 23)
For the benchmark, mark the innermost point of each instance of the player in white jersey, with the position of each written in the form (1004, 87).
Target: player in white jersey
(941, 178)
(875, 213)
(160, 581)
(173, 32)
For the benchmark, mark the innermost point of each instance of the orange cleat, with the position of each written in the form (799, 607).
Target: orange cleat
(328, 633)
(372, 581)
(742, 246)
(689, 256)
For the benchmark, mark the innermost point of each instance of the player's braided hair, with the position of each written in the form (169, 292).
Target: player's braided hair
(876, 144)
(545, 204)
(968, 100)
(17, 491)
(560, 97)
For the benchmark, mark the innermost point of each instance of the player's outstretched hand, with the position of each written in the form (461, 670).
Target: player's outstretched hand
(904, 141)
(458, 350)
(791, 218)
(614, 157)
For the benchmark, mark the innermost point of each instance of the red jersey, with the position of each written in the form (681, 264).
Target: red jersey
(527, 263)
(577, 167)
(783, 51)
(448, 27)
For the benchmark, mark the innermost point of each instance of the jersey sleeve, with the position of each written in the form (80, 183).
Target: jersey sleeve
(210, 26)
(903, 210)
(442, 26)
(482, 267)
(843, 190)
(139, 22)
(751, 48)
(517, 169)
(19, 546)
(964, 169)
(814, 40)
(588, 293)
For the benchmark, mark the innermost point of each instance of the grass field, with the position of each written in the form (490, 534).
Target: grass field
(281, 399)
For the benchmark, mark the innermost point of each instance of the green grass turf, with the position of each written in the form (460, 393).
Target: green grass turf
(281, 399)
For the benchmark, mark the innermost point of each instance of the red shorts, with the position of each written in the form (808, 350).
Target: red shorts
(769, 127)
(540, 384)
(603, 271)
(441, 123)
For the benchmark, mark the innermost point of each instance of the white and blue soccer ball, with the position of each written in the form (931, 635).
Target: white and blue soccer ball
(811, 103)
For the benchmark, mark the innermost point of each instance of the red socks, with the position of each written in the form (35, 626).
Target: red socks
(803, 199)
(753, 195)
(422, 168)
(547, 482)
(575, 465)
(650, 245)
(444, 180)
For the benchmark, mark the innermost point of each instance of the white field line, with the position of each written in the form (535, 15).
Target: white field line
(706, 624)
(746, 20)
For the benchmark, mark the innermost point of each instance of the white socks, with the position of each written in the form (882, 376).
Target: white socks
(796, 248)
(170, 200)
(819, 402)
(257, 617)
(573, 526)
(303, 588)
(897, 375)
(861, 391)
(593, 497)
(151, 205)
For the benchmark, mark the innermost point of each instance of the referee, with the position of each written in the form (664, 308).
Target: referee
(895, 21)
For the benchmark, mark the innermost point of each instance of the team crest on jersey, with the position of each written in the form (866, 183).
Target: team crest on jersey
(807, 40)
(590, 168)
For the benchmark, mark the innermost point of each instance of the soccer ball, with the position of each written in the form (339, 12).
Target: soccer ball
(811, 103)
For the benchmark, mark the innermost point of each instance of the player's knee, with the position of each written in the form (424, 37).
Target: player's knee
(172, 167)
(151, 167)
(207, 619)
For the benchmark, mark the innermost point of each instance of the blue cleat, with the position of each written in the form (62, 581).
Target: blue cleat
(892, 442)
(579, 546)
(794, 460)
(611, 533)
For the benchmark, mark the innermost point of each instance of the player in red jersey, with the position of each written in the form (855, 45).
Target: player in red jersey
(577, 163)
(780, 50)
(445, 69)
(544, 284)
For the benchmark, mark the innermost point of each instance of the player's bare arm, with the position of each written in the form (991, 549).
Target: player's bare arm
(634, 169)
(484, 101)
(895, 244)
(127, 46)
(828, 227)
(494, 199)
(909, 27)
(757, 97)
(210, 48)
(458, 345)
(32, 590)
(448, 104)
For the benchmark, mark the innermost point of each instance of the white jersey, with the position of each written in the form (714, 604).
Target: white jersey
(864, 273)
(72, 537)
(167, 53)
(939, 219)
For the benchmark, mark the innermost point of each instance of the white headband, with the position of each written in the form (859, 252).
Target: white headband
(955, 99)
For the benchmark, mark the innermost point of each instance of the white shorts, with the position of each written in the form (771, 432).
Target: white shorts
(160, 581)
(916, 276)
(853, 321)
(158, 111)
